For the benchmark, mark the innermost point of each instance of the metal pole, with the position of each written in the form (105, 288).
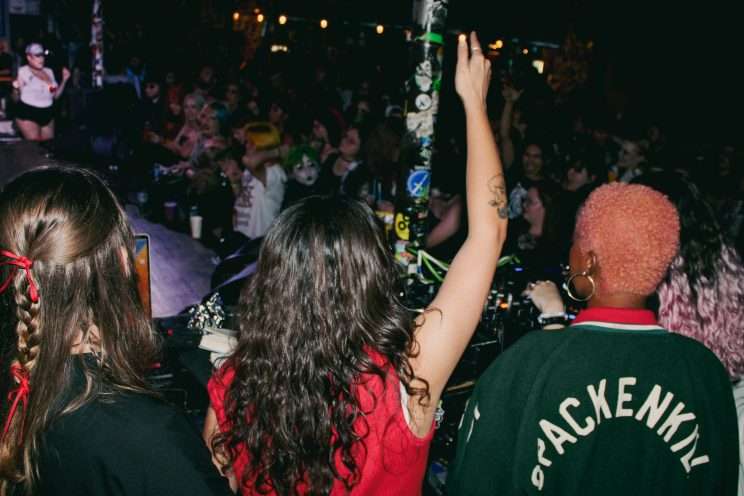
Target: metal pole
(422, 104)
(96, 45)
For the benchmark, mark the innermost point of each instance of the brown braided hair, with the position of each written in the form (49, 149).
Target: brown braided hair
(70, 225)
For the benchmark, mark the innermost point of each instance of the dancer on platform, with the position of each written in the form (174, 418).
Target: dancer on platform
(37, 91)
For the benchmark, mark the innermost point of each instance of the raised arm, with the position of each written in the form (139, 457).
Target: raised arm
(511, 95)
(449, 323)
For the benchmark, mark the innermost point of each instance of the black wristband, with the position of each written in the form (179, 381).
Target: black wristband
(553, 320)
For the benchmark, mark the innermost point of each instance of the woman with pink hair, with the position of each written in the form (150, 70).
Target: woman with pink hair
(614, 403)
(702, 295)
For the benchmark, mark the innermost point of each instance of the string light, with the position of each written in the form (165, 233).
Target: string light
(380, 29)
(496, 45)
(525, 51)
(260, 18)
(236, 16)
(323, 23)
(282, 19)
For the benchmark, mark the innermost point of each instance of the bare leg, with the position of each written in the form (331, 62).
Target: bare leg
(47, 132)
(29, 129)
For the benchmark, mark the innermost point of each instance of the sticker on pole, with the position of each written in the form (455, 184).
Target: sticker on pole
(417, 184)
(402, 222)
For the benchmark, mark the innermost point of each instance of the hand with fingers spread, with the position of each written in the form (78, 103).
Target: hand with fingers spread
(473, 72)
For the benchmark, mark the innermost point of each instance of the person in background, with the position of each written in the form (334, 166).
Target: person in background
(76, 346)
(37, 91)
(702, 295)
(631, 161)
(448, 220)
(333, 387)
(263, 182)
(585, 172)
(345, 172)
(576, 410)
(541, 238)
(6, 60)
(183, 144)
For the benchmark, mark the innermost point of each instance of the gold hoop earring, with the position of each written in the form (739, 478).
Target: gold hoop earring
(591, 281)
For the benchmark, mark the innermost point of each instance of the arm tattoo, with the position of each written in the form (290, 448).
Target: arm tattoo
(498, 190)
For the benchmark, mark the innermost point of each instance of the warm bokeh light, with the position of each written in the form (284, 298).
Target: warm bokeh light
(525, 51)
(380, 29)
(496, 45)
(260, 18)
(282, 19)
(539, 65)
(236, 16)
(323, 24)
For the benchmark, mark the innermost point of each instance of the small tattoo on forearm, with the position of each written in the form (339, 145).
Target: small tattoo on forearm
(499, 201)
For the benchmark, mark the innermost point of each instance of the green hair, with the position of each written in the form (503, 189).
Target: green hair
(295, 156)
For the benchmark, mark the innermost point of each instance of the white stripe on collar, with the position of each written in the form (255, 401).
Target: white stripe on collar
(623, 327)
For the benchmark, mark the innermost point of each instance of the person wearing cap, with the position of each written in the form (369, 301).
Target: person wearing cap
(37, 89)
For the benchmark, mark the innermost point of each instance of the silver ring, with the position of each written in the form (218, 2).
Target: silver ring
(475, 48)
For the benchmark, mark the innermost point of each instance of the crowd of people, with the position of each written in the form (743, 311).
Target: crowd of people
(334, 385)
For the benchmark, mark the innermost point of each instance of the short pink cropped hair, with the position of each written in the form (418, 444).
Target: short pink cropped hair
(633, 231)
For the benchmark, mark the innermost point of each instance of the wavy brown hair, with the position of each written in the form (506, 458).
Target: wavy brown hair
(70, 225)
(324, 296)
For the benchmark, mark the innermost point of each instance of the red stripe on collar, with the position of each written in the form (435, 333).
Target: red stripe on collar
(617, 316)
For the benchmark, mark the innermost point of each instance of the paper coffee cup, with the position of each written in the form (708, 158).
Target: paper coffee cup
(196, 226)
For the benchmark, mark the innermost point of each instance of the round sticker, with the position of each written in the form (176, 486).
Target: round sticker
(418, 183)
(423, 101)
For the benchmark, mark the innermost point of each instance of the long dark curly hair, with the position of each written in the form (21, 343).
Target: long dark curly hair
(324, 297)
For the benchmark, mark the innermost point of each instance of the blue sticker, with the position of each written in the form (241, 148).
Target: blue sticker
(418, 183)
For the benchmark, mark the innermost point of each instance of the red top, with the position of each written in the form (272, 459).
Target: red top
(394, 459)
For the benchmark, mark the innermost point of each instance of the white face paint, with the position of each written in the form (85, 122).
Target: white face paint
(306, 171)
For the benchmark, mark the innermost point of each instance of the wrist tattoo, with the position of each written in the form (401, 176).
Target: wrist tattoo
(498, 191)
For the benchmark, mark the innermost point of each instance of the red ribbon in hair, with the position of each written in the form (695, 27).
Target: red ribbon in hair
(18, 395)
(25, 264)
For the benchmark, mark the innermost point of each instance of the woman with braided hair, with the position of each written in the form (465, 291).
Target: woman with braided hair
(80, 417)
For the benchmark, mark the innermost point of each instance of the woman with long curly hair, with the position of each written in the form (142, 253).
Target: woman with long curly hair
(81, 418)
(333, 386)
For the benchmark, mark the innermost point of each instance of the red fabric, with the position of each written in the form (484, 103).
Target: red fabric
(617, 315)
(24, 263)
(394, 459)
(17, 396)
